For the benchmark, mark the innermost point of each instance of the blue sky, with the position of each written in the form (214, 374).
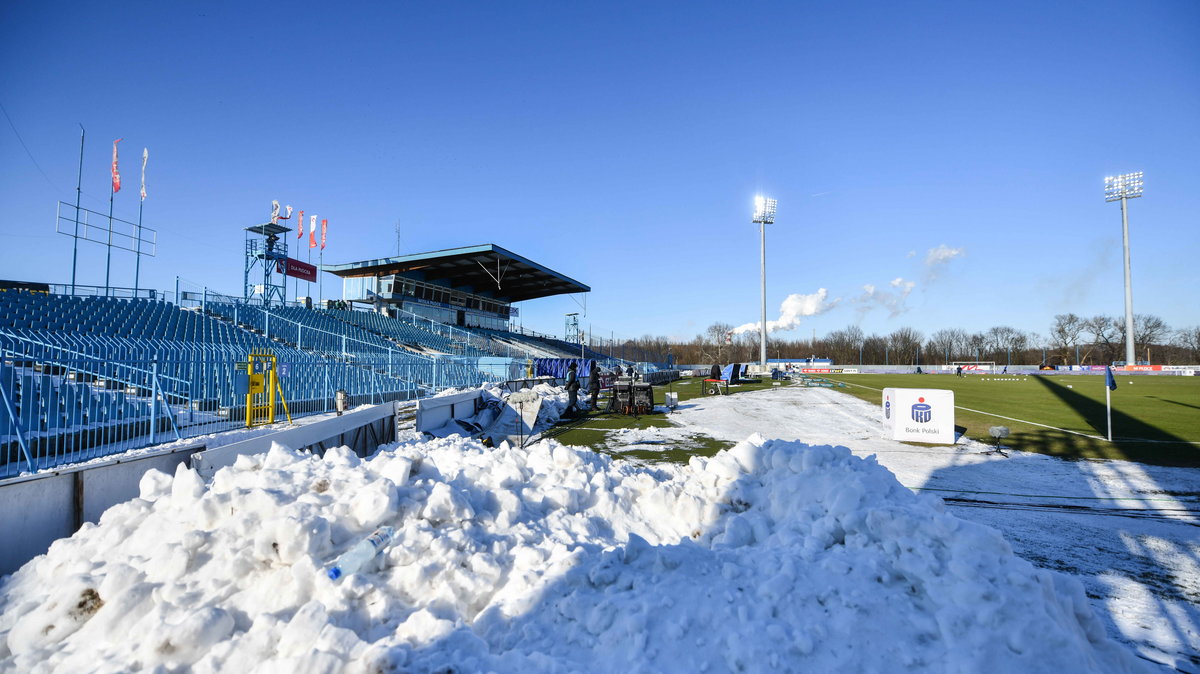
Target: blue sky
(622, 144)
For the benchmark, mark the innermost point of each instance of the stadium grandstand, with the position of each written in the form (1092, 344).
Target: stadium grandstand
(86, 374)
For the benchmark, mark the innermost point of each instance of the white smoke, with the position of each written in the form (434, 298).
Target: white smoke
(891, 300)
(793, 308)
(937, 258)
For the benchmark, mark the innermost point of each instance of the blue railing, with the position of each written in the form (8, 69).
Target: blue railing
(65, 399)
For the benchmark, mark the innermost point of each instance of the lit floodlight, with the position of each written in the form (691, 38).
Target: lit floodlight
(1124, 186)
(764, 210)
(764, 214)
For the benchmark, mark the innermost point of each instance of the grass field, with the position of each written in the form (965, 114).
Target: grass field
(1156, 419)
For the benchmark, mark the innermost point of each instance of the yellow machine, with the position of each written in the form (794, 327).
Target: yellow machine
(262, 388)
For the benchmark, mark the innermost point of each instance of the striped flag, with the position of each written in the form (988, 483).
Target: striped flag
(312, 231)
(324, 226)
(116, 175)
(300, 228)
(145, 158)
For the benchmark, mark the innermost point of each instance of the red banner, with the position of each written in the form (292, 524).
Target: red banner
(297, 269)
(312, 231)
(324, 226)
(300, 228)
(116, 176)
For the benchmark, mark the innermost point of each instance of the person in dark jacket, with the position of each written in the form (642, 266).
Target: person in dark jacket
(593, 385)
(572, 390)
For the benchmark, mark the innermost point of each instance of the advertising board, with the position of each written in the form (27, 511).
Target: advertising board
(297, 269)
(919, 415)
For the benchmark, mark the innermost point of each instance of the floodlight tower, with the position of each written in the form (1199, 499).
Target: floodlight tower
(764, 214)
(1124, 187)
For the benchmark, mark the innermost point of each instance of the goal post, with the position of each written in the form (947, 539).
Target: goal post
(970, 366)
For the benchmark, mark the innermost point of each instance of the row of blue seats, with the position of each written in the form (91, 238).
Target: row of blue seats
(411, 333)
(45, 404)
(143, 319)
(304, 329)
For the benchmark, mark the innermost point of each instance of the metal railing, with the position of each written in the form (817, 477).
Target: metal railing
(63, 401)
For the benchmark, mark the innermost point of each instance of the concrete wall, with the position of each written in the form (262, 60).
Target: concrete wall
(361, 430)
(37, 510)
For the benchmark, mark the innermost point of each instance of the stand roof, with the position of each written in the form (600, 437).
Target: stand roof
(486, 270)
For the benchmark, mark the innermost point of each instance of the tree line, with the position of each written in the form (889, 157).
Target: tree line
(1070, 340)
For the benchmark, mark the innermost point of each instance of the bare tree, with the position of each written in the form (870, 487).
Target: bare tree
(903, 345)
(715, 335)
(975, 345)
(1106, 332)
(843, 345)
(1065, 333)
(875, 349)
(1148, 330)
(949, 343)
(1189, 338)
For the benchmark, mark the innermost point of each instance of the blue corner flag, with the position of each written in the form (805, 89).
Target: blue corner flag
(1109, 380)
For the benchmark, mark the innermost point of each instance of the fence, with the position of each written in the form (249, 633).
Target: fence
(62, 405)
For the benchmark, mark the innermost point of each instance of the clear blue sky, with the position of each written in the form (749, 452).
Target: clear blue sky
(622, 144)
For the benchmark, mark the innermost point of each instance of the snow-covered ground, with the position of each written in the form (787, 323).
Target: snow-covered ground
(777, 555)
(1129, 532)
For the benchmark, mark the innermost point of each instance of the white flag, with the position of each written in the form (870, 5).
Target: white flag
(145, 156)
(274, 211)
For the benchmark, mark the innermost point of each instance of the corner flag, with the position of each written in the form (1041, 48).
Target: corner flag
(1110, 385)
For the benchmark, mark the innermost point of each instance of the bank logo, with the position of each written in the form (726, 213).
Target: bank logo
(922, 411)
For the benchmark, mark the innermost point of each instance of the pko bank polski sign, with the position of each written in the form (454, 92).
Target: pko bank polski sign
(919, 415)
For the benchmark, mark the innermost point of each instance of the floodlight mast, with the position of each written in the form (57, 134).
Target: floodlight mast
(1124, 187)
(764, 214)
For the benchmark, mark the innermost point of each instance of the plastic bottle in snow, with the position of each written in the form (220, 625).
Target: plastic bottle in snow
(353, 559)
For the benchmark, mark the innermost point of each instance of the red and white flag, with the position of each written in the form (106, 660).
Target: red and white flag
(324, 226)
(116, 184)
(300, 229)
(312, 231)
(274, 211)
(145, 158)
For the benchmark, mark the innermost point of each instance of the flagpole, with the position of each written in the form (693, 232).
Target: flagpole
(1108, 404)
(108, 262)
(137, 265)
(78, 195)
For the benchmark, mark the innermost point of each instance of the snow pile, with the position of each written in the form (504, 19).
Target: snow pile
(770, 556)
(491, 407)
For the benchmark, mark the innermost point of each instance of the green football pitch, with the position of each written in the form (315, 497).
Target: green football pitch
(1155, 419)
